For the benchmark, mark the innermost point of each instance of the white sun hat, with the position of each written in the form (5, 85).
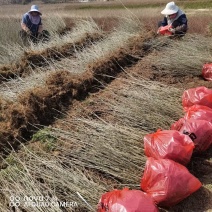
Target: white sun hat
(171, 8)
(34, 8)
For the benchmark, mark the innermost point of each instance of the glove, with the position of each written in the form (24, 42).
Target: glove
(172, 30)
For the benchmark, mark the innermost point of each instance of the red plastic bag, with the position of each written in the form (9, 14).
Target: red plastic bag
(126, 201)
(199, 96)
(178, 124)
(168, 182)
(199, 112)
(195, 112)
(207, 71)
(164, 30)
(169, 144)
(200, 131)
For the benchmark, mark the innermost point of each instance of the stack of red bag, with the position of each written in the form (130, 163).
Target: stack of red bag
(166, 181)
(165, 177)
(197, 121)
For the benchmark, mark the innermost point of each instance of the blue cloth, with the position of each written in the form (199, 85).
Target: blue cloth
(32, 27)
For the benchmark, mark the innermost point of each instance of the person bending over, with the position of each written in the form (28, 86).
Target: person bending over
(31, 25)
(175, 18)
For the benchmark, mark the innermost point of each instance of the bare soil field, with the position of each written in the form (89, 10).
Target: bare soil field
(73, 114)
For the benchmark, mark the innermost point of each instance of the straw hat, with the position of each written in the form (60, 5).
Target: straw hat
(34, 8)
(171, 8)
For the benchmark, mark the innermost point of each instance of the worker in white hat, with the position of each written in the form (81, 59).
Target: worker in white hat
(32, 28)
(175, 18)
(31, 21)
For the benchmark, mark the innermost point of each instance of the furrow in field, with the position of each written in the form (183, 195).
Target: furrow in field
(42, 54)
(41, 104)
(78, 64)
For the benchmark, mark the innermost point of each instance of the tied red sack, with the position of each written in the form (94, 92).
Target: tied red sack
(178, 124)
(168, 182)
(199, 96)
(169, 144)
(164, 30)
(199, 112)
(200, 131)
(195, 112)
(126, 201)
(207, 71)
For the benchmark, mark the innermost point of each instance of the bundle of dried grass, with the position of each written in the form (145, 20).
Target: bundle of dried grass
(184, 56)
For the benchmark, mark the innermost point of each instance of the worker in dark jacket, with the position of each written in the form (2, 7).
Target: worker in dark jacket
(175, 18)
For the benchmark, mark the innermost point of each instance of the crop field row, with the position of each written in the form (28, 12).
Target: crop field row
(74, 111)
(42, 93)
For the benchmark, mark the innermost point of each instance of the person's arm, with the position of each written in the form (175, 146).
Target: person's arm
(40, 27)
(164, 22)
(24, 27)
(182, 27)
(24, 24)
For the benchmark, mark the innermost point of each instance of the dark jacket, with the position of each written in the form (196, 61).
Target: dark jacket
(180, 25)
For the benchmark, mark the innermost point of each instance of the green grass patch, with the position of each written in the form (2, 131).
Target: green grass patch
(44, 136)
(196, 4)
(115, 6)
(132, 6)
(184, 4)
